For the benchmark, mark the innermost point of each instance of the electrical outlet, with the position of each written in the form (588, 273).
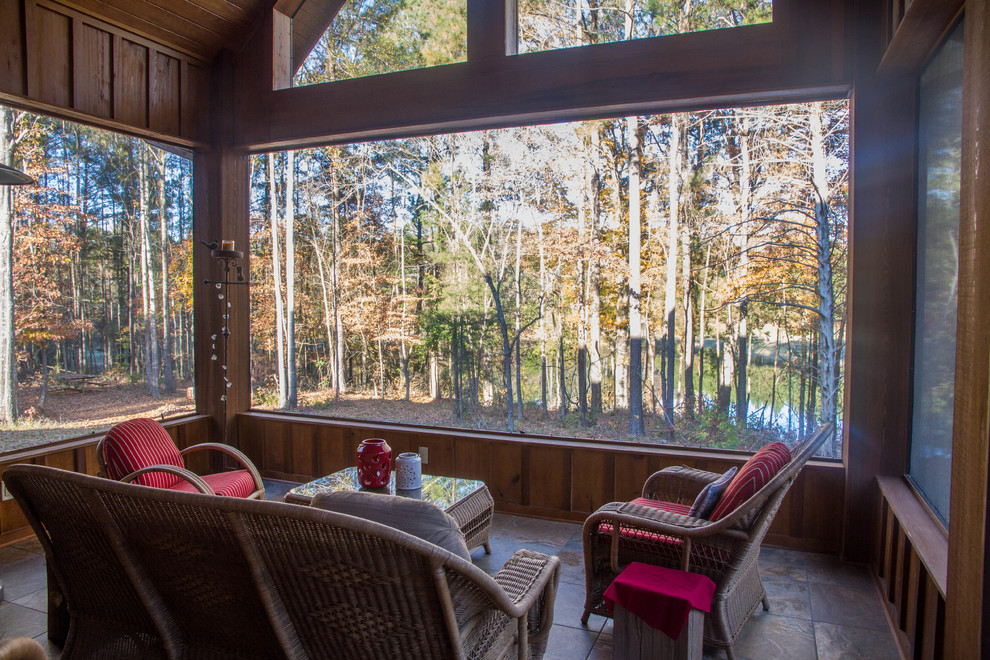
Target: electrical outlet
(424, 453)
(6, 493)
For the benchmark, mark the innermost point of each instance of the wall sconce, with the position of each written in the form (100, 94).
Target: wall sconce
(11, 177)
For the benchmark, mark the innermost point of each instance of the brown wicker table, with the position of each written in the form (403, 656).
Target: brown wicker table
(466, 500)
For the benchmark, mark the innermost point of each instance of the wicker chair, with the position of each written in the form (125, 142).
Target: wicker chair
(725, 550)
(153, 573)
(141, 450)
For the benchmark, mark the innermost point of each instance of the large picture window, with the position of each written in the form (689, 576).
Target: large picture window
(939, 157)
(672, 279)
(100, 281)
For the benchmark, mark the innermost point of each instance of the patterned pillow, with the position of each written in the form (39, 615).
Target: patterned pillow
(710, 494)
(753, 476)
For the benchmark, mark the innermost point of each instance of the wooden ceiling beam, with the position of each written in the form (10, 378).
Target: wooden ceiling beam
(799, 56)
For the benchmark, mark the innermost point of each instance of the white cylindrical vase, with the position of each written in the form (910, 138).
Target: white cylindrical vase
(408, 471)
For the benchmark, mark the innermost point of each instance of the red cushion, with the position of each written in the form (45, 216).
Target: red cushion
(236, 483)
(753, 476)
(140, 443)
(701, 554)
(673, 507)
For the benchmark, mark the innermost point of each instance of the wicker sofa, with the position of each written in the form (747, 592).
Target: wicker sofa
(725, 550)
(153, 573)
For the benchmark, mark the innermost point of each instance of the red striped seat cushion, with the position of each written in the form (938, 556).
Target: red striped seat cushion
(140, 443)
(673, 507)
(236, 483)
(753, 476)
(701, 554)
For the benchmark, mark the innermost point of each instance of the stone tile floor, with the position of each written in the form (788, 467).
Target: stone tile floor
(819, 607)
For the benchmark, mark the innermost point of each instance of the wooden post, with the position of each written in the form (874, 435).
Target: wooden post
(967, 619)
(220, 212)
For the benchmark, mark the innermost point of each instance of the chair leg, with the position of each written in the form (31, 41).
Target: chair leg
(766, 603)
(488, 549)
(585, 617)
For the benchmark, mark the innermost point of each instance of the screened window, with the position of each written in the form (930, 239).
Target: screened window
(551, 24)
(100, 259)
(939, 155)
(481, 280)
(372, 38)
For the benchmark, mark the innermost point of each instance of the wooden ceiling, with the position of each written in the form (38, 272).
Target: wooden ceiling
(202, 28)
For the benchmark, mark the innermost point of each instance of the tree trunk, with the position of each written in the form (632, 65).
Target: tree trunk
(8, 358)
(670, 291)
(827, 353)
(687, 282)
(582, 283)
(635, 276)
(518, 341)
(726, 369)
(594, 290)
(151, 364)
(168, 366)
(742, 334)
(339, 381)
(701, 332)
(543, 325)
(503, 328)
(291, 399)
(43, 398)
(280, 375)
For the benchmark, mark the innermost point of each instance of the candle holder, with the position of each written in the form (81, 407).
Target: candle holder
(229, 258)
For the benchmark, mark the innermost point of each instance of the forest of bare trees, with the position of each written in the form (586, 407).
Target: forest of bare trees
(99, 277)
(500, 270)
(669, 278)
(562, 272)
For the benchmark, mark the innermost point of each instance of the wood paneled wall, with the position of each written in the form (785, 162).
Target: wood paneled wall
(912, 569)
(548, 478)
(62, 62)
(79, 455)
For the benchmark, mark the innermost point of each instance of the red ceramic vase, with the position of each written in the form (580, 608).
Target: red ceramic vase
(374, 463)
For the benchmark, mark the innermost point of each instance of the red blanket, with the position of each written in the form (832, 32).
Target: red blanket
(662, 597)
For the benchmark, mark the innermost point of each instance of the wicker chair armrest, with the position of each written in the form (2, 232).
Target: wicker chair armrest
(679, 484)
(636, 518)
(234, 453)
(523, 580)
(182, 473)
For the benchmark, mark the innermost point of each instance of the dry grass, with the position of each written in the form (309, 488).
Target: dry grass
(69, 414)
(701, 431)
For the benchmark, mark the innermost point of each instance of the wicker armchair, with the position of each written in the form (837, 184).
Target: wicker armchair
(154, 573)
(725, 550)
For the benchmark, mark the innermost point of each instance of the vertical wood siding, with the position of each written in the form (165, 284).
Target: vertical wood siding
(79, 455)
(557, 479)
(79, 68)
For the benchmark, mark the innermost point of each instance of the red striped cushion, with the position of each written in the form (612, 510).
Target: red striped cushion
(139, 443)
(753, 476)
(236, 483)
(673, 507)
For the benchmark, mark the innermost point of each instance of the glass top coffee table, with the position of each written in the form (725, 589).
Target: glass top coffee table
(466, 500)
